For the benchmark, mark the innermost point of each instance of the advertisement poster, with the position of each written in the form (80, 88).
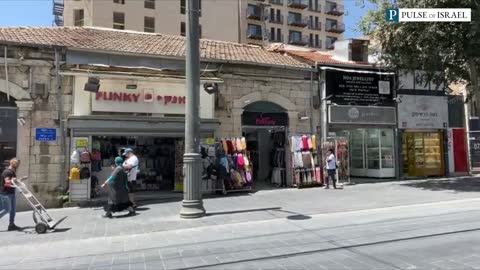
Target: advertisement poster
(474, 140)
(356, 88)
(422, 112)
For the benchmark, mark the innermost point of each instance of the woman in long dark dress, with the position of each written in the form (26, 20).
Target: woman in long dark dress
(118, 190)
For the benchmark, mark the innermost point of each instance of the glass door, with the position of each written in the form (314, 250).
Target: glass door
(373, 149)
(357, 154)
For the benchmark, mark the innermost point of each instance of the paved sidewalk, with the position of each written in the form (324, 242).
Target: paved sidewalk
(269, 229)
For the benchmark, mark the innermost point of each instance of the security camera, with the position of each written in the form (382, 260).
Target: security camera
(210, 88)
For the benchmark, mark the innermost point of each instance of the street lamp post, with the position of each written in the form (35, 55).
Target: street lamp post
(192, 205)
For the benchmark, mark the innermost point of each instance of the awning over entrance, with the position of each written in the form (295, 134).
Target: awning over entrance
(109, 125)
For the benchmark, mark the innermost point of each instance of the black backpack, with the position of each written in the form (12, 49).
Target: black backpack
(84, 173)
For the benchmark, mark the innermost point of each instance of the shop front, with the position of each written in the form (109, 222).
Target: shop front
(145, 115)
(361, 110)
(371, 137)
(423, 124)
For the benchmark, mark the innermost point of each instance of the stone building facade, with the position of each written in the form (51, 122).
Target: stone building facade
(254, 76)
(32, 84)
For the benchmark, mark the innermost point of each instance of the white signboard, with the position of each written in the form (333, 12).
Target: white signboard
(140, 96)
(422, 112)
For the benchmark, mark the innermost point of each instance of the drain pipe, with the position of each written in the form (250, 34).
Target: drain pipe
(59, 97)
(6, 73)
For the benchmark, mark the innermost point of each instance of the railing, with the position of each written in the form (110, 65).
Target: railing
(276, 39)
(302, 4)
(335, 27)
(334, 9)
(295, 40)
(315, 9)
(277, 20)
(276, 2)
(254, 13)
(315, 26)
(300, 21)
(254, 34)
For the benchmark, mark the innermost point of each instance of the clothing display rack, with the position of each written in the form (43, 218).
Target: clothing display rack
(234, 164)
(211, 182)
(306, 167)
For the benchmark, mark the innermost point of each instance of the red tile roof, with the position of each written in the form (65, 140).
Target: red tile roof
(324, 58)
(100, 39)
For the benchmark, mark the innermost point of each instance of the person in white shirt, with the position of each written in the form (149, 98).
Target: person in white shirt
(131, 165)
(331, 166)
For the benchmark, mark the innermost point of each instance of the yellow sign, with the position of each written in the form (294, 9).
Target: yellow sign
(210, 140)
(81, 143)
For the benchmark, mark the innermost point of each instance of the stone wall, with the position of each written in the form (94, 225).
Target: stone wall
(42, 162)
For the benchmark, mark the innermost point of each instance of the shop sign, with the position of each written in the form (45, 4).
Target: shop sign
(422, 112)
(357, 88)
(419, 80)
(152, 97)
(362, 115)
(264, 119)
(46, 134)
(474, 141)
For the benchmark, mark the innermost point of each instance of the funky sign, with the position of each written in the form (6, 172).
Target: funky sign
(147, 96)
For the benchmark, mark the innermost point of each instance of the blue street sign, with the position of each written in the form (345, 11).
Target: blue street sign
(46, 134)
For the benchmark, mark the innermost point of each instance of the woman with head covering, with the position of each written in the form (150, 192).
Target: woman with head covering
(118, 190)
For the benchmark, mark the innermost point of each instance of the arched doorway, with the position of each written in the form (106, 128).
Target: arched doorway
(264, 125)
(8, 129)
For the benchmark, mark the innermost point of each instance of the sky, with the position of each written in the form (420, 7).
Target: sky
(39, 13)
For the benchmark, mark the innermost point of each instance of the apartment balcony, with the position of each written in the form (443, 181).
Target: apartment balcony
(276, 2)
(337, 28)
(296, 40)
(330, 44)
(255, 13)
(298, 21)
(335, 9)
(58, 7)
(316, 46)
(256, 35)
(316, 9)
(301, 4)
(315, 26)
(276, 20)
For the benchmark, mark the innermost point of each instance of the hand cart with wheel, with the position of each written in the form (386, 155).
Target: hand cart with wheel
(43, 220)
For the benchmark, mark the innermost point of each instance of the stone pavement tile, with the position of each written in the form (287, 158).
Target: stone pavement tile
(210, 260)
(243, 255)
(102, 261)
(176, 263)
(261, 253)
(82, 262)
(472, 261)
(137, 266)
(290, 263)
(449, 264)
(137, 257)
(225, 258)
(194, 262)
(268, 265)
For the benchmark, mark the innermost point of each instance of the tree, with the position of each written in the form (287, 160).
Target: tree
(450, 47)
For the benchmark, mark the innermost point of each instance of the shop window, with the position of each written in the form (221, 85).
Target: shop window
(149, 24)
(78, 17)
(149, 4)
(119, 20)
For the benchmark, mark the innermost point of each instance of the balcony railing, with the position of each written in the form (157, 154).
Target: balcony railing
(316, 46)
(315, 26)
(330, 44)
(302, 4)
(277, 20)
(257, 35)
(299, 21)
(276, 2)
(335, 27)
(334, 9)
(296, 40)
(316, 9)
(254, 13)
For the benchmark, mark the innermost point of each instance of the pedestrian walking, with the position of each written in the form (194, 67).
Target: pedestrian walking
(7, 193)
(131, 165)
(331, 166)
(118, 190)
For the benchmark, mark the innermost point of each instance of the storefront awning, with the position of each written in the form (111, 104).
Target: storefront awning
(109, 125)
